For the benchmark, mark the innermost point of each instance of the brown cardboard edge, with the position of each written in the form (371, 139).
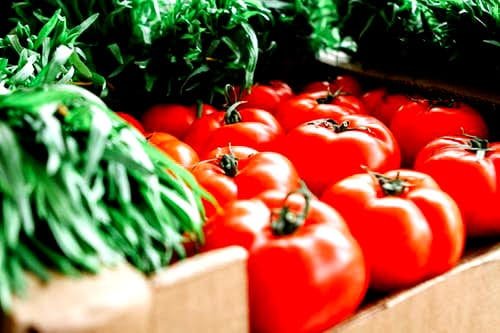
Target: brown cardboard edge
(342, 61)
(199, 264)
(470, 262)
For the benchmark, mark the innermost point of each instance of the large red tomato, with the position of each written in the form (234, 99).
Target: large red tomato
(179, 151)
(382, 105)
(132, 121)
(326, 150)
(239, 173)
(306, 107)
(468, 169)
(267, 96)
(174, 119)
(408, 228)
(419, 122)
(246, 127)
(344, 83)
(306, 272)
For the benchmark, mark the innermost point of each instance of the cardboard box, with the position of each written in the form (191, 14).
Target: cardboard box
(205, 293)
(465, 299)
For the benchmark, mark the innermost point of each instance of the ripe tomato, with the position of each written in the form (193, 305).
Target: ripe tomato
(239, 175)
(419, 122)
(477, 191)
(382, 105)
(132, 121)
(246, 127)
(179, 151)
(344, 83)
(306, 272)
(326, 150)
(306, 107)
(267, 96)
(174, 119)
(408, 228)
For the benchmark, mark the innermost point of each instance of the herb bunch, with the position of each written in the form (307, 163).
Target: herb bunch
(79, 190)
(425, 35)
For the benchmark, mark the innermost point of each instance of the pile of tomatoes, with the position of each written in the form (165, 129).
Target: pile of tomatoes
(334, 191)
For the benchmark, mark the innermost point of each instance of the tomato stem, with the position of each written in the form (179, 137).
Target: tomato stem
(332, 124)
(330, 97)
(390, 186)
(288, 222)
(229, 164)
(478, 145)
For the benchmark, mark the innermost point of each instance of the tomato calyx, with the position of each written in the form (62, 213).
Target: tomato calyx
(391, 186)
(287, 221)
(232, 116)
(330, 97)
(442, 102)
(478, 145)
(229, 164)
(335, 126)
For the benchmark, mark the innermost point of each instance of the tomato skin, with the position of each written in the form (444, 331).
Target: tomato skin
(257, 129)
(419, 122)
(344, 83)
(267, 96)
(132, 121)
(306, 107)
(306, 281)
(382, 105)
(406, 237)
(179, 151)
(477, 193)
(175, 119)
(256, 173)
(322, 156)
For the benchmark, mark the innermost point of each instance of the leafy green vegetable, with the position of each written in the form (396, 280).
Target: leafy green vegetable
(460, 37)
(50, 56)
(153, 50)
(80, 189)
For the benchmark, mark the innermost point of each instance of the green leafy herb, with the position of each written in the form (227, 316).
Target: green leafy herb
(80, 189)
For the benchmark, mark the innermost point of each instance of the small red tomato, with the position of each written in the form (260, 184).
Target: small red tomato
(344, 83)
(305, 271)
(267, 96)
(253, 128)
(179, 151)
(408, 228)
(174, 119)
(468, 169)
(326, 150)
(238, 175)
(306, 107)
(132, 121)
(419, 122)
(383, 105)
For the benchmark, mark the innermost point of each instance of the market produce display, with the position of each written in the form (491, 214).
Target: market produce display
(146, 131)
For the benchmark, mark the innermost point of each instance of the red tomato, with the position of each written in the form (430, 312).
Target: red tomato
(306, 107)
(382, 105)
(240, 176)
(306, 273)
(326, 150)
(179, 151)
(253, 128)
(418, 123)
(174, 119)
(408, 228)
(132, 121)
(468, 169)
(344, 83)
(267, 97)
